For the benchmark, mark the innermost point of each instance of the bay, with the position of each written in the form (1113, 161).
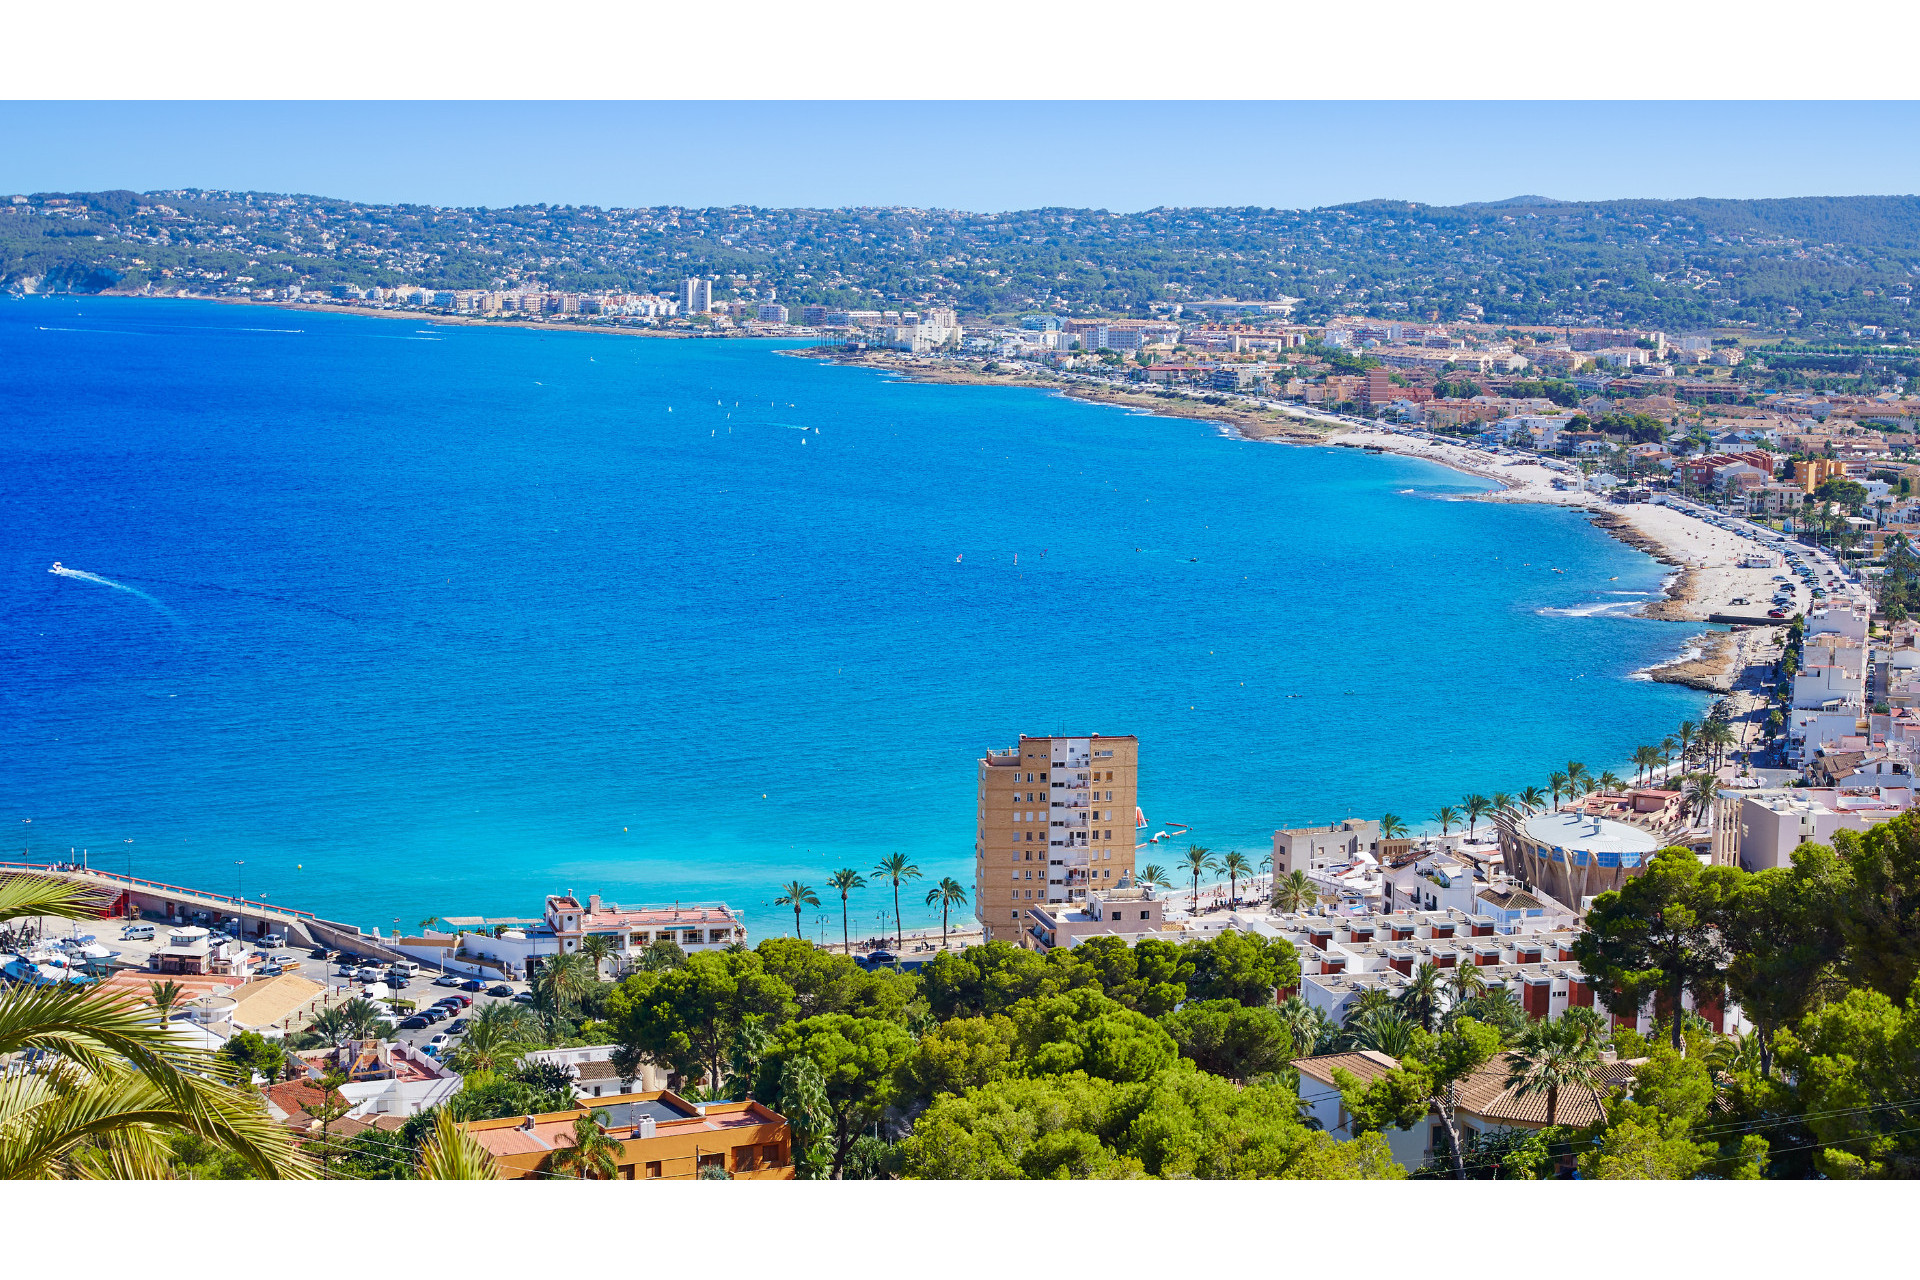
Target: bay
(426, 619)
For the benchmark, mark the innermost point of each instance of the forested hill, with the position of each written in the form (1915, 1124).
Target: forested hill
(1801, 265)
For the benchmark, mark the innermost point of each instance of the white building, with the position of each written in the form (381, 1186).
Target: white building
(1774, 823)
(696, 295)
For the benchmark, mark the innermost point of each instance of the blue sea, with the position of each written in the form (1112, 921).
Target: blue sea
(384, 620)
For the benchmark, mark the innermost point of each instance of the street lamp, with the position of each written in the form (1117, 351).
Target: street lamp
(238, 897)
(129, 843)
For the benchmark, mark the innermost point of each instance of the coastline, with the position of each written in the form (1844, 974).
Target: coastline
(1254, 424)
(1707, 577)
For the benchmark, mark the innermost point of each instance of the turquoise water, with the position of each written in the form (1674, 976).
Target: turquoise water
(423, 620)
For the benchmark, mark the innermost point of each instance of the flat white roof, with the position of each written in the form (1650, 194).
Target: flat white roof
(1579, 831)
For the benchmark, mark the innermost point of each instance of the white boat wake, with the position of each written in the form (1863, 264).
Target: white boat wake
(81, 575)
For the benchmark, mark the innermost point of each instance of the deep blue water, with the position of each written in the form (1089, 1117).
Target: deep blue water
(438, 620)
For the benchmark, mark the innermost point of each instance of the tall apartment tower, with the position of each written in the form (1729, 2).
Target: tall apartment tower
(696, 295)
(1055, 818)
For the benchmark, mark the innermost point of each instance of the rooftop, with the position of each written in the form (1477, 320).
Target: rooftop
(1366, 1064)
(1581, 831)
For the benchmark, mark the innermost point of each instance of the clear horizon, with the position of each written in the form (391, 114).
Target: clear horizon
(981, 156)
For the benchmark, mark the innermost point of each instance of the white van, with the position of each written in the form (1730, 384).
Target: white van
(406, 967)
(137, 933)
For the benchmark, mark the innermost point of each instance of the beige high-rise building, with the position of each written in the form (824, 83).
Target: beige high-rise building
(1055, 817)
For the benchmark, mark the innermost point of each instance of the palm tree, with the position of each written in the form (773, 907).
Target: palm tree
(330, 1025)
(1501, 801)
(563, 980)
(359, 1020)
(1476, 807)
(1576, 772)
(1556, 783)
(947, 894)
(1533, 798)
(1668, 745)
(163, 996)
(796, 895)
(427, 924)
(1312, 1030)
(844, 879)
(1553, 1056)
(1391, 827)
(1612, 783)
(116, 1086)
(1294, 892)
(1644, 759)
(1154, 874)
(1447, 816)
(897, 867)
(1685, 733)
(450, 1153)
(1465, 983)
(1235, 865)
(597, 948)
(1199, 859)
(592, 1154)
(1420, 998)
(1384, 1030)
(1717, 736)
(1701, 790)
(497, 1037)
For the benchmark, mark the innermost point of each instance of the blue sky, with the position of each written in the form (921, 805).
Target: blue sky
(981, 156)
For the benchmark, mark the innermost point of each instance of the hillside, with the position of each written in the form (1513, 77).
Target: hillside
(1803, 266)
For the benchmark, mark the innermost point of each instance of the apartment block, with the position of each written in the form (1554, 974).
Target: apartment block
(1055, 818)
(696, 295)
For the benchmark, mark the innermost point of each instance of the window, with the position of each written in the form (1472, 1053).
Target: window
(1146, 915)
(653, 1168)
(717, 1160)
(746, 1159)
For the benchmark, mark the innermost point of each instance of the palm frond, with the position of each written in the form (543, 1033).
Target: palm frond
(27, 895)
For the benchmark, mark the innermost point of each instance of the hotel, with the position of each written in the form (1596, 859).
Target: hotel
(1055, 818)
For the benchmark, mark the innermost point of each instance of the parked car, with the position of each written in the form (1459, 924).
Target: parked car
(461, 1001)
(458, 1026)
(324, 953)
(345, 970)
(414, 1023)
(447, 980)
(497, 989)
(474, 984)
(439, 1038)
(525, 997)
(275, 939)
(137, 933)
(879, 957)
(1776, 613)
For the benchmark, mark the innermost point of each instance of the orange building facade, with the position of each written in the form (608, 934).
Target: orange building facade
(661, 1135)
